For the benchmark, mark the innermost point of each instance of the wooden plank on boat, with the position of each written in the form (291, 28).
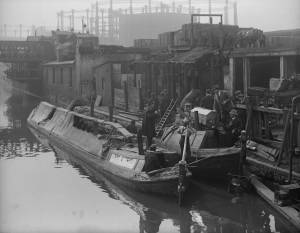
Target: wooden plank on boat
(267, 110)
(209, 152)
(268, 142)
(284, 171)
(268, 195)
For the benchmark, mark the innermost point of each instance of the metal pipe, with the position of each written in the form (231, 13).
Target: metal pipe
(97, 19)
(62, 20)
(235, 13)
(209, 11)
(226, 12)
(130, 7)
(20, 31)
(72, 19)
(150, 6)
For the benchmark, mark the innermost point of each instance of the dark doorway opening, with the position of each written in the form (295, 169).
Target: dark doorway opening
(239, 79)
(263, 69)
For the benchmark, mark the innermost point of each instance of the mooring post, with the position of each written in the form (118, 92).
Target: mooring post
(243, 151)
(181, 181)
(140, 142)
(182, 171)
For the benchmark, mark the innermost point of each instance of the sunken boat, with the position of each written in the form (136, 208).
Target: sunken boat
(109, 148)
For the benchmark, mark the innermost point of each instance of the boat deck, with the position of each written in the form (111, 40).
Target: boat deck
(268, 166)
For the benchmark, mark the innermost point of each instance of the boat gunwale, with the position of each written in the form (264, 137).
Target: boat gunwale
(91, 155)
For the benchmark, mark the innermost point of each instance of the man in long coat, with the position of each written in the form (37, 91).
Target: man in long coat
(148, 124)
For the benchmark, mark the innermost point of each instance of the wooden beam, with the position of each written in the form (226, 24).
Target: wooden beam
(246, 74)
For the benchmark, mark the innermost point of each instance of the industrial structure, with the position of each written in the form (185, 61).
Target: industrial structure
(124, 21)
(121, 22)
(21, 31)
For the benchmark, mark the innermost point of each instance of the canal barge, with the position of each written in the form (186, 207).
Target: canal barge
(208, 160)
(107, 147)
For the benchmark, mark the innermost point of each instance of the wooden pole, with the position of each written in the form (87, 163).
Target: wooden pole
(185, 145)
(182, 172)
(126, 95)
(243, 152)
(111, 113)
(140, 142)
(192, 31)
(295, 101)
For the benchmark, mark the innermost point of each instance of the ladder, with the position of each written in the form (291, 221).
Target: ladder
(164, 118)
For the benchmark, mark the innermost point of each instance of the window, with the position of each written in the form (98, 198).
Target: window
(71, 77)
(53, 75)
(61, 75)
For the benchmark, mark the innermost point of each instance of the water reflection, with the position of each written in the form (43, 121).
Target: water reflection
(11, 147)
(207, 208)
(15, 138)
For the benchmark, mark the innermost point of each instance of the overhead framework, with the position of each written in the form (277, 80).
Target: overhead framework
(103, 17)
(21, 31)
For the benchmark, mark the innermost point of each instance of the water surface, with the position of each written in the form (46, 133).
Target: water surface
(43, 189)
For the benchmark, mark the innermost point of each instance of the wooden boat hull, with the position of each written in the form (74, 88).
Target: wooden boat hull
(206, 163)
(267, 169)
(161, 187)
(215, 164)
(87, 149)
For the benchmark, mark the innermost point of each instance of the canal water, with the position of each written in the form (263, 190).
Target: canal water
(43, 190)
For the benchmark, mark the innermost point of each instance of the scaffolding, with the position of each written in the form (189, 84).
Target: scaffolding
(21, 31)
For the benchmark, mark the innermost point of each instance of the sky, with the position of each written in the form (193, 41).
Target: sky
(264, 14)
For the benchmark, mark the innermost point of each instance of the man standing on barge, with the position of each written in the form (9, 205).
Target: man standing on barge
(148, 124)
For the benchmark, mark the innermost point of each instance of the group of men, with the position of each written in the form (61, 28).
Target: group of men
(214, 99)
